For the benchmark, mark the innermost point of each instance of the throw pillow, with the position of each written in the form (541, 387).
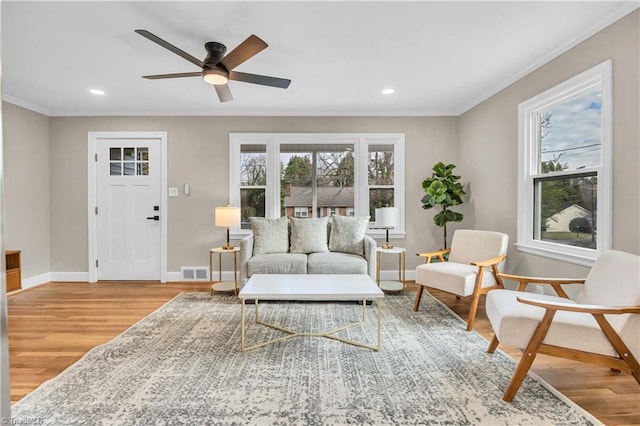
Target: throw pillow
(309, 235)
(270, 235)
(347, 234)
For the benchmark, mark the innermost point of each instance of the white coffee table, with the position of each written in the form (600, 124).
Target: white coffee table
(313, 288)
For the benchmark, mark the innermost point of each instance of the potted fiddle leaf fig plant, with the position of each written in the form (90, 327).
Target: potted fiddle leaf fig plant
(443, 190)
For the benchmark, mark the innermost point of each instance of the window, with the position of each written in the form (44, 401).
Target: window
(315, 174)
(129, 161)
(301, 212)
(564, 188)
(253, 182)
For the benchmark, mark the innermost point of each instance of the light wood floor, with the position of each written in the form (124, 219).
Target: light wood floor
(53, 325)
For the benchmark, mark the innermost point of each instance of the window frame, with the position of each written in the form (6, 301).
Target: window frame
(360, 141)
(528, 161)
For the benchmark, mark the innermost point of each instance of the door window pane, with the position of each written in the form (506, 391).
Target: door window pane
(143, 169)
(129, 154)
(115, 169)
(143, 154)
(129, 169)
(115, 154)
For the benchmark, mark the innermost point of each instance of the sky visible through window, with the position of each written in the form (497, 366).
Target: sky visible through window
(573, 135)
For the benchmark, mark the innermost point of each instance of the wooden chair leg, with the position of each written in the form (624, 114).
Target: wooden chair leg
(493, 345)
(623, 351)
(472, 311)
(475, 298)
(528, 356)
(416, 304)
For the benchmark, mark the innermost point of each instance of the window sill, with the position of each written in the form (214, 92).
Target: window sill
(575, 255)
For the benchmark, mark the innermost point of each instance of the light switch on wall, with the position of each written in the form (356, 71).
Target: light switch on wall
(173, 191)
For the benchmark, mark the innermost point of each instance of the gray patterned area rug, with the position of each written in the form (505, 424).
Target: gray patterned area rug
(182, 365)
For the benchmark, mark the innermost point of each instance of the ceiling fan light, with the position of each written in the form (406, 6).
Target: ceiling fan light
(215, 77)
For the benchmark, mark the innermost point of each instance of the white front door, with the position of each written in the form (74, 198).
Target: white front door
(129, 214)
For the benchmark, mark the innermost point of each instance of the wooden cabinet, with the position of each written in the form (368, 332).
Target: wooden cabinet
(14, 278)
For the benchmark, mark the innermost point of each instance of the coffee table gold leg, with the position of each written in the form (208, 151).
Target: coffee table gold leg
(364, 310)
(328, 334)
(256, 303)
(378, 303)
(242, 329)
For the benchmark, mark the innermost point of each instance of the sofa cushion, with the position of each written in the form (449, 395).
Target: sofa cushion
(277, 263)
(270, 235)
(347, 234)
(309, 235)
(336, 263)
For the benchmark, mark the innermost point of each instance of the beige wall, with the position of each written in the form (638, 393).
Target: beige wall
(198, 152)
(46, 166)
(489, 144)
(26, 187)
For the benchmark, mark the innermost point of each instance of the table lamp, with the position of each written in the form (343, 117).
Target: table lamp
(228, 217)
(387, 218)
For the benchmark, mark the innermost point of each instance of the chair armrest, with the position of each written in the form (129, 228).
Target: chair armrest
(246, 252)
(489, 262)
(431, 254)
(370, 246)
(575, 307)
(554, 282)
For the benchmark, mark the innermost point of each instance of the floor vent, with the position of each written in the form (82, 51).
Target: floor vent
(195, 273)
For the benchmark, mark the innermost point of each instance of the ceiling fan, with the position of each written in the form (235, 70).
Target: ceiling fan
(217, 68)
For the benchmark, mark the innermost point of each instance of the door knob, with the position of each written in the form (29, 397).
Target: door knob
(153, 217)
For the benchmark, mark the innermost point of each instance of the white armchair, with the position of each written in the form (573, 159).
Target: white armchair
(602, 326)
(474, 260)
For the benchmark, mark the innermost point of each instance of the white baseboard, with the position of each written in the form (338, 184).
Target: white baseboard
(175, 276)
(36, 280)
(70, 276)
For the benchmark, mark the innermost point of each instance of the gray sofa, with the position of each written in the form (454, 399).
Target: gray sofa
(319, 258)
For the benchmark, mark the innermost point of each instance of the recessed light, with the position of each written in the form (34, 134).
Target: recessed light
(96, 92)
(388, 91)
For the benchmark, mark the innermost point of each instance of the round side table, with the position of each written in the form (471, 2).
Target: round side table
(392, 285)
(220, 285)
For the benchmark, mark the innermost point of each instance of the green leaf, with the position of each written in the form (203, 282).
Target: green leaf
(440, 219)
(427, 202)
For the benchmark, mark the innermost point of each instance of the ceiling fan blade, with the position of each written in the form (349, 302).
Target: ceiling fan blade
(245, 50)
(223, 91)
(154, 38)
(176, 75)
(264, 80)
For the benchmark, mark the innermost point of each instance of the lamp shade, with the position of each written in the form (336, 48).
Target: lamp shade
(388, 217)
(228, 217)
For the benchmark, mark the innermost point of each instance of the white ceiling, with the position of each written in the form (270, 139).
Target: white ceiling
(441, 58)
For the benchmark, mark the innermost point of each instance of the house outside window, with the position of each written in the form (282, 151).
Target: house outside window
(301, 211)
(315, 175)
(564, 189)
